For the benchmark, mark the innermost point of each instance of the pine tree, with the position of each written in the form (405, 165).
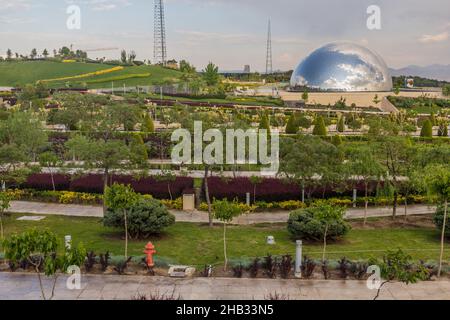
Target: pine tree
(341, 124)
(292, 125)
(319, 128)
(427, 129)
(265, 124)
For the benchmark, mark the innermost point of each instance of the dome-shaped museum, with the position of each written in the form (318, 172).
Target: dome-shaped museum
(342, 67)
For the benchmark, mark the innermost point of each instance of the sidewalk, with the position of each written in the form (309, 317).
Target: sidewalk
(101, 287)
(200, 217)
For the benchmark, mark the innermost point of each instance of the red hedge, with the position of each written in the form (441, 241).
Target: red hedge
(94, 184)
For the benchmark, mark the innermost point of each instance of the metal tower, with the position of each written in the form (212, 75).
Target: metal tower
(269, 69)
(159, 50)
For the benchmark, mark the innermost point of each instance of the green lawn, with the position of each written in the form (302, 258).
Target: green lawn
(195, 244)
(21, 73)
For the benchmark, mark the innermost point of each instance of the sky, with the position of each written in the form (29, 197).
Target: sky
(232, 33)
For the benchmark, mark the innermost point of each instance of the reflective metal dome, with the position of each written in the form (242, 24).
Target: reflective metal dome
(343, 67)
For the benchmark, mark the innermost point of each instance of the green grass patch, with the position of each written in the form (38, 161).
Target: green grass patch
(25, 72)
(195, 244)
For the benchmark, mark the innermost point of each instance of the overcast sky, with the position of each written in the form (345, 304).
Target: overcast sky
(232, 33)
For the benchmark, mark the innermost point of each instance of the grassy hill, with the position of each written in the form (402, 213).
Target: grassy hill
(21, 73)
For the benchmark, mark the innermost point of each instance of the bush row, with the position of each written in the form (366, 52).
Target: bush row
(94, 184)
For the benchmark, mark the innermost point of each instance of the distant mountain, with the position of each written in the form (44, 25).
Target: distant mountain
(435, 71)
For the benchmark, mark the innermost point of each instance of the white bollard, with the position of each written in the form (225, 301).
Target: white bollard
(248, 198)
(68, 242)
(355, 197)
(298, 259)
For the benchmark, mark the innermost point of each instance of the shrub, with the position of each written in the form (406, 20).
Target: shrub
(145, 217)
(438, 219)
(308, 267)
(305, 224)
(427, 130)
(319, 128)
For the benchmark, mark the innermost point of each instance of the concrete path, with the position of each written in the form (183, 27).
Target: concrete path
(200, 217)
(14, 286)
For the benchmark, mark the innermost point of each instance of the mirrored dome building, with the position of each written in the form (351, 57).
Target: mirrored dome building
(342, 66)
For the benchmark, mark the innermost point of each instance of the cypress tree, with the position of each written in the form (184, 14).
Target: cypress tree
(147, 124)
(265, 124)
(427, 129)
(336, 140)
(319, 128)
(341, 124)
(292, 125)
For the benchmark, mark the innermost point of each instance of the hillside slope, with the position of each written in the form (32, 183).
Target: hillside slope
(15, 74)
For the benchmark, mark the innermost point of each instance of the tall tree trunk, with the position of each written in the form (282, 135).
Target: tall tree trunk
(170, 192)
(225, 246)
(406, 207)
(53, 179)
(366, 203)
(394, 209)
(1, 226)
(208, 200)
(444, 226)
(325, 243)
(303, 192)
(105, 186)
(126, 232)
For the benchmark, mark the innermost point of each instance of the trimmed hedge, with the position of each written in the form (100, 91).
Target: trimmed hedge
(94, 184)
(270, 189)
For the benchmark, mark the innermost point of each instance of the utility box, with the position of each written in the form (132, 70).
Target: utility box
(188, 202)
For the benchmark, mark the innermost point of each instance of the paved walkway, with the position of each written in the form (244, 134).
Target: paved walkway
(100, 287)
(200, 217)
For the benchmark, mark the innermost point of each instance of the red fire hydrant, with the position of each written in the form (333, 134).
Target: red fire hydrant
(150, 251)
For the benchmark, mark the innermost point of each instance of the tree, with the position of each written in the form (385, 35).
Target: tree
(397, 90)
(397, 266)
(292, 125)
(168, 177)
(341, 124)
(361, 165)
(121, 197)
(186, 67)
(145, 218)
(443, 129)
(138, 150)
(225, 211)
(5, 201)
(45, 53)
(147, 124)
(8, 54)
(255, 180)
(309, 161)
(211, 74)
(132, 57)
(305, 96)
(304, 122)
(336, 140)
(319, 127)
(446, 90)
(438, 184)
(50, 160)
(376, 99)
(39, 248)
(123, 56)
(427, 129)
(33, 54)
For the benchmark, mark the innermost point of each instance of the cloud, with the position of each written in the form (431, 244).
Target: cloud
(15, 4)
(101, 5)
(430, 38)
